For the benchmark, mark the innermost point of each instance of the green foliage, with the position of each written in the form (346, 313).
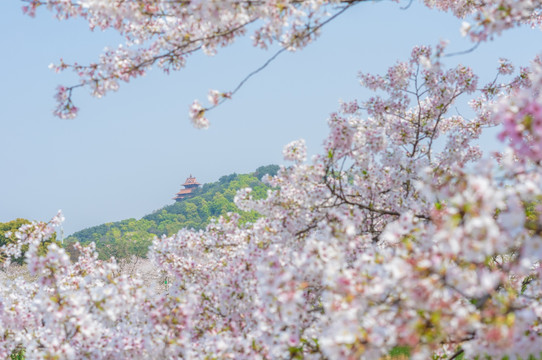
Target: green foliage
(266, 170)
(532, 215)
(129, 237)
(17, 355)
(400, 351)
(12, 227)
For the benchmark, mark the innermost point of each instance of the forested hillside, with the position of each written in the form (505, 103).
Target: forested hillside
(133, 237)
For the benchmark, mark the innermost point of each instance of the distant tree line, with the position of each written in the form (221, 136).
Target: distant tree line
(123, 239)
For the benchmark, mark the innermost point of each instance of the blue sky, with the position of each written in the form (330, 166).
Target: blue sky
(127, 154)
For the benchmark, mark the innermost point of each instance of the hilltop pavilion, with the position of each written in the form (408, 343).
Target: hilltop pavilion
(190, 185)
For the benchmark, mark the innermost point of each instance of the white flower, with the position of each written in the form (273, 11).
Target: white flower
(295, 151)
(465, 28)
(196, 114)
(213, 97)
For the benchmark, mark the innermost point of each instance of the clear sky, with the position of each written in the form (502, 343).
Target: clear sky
(127, 154)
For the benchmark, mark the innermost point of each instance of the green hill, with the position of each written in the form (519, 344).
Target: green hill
(133, 237)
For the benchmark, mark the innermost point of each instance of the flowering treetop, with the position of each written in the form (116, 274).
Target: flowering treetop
(165, 33)
(400, 233)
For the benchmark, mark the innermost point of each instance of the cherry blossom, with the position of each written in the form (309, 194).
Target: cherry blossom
(400, 232)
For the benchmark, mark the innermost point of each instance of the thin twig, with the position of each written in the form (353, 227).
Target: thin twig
(457, 353)
(463, 52)
(407, 6)
(283, 49)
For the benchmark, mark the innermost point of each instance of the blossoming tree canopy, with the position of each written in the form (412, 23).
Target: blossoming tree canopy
(402, 233)
(165, 33)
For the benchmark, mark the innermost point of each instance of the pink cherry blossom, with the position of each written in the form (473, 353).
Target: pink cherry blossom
(401, 232)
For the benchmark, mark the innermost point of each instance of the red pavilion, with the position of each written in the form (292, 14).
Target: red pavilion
(190, 185)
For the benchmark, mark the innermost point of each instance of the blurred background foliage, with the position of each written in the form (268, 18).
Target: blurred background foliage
(126, 238)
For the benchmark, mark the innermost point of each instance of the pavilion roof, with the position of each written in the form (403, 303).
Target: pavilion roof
(191, 181)
(185, 191)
